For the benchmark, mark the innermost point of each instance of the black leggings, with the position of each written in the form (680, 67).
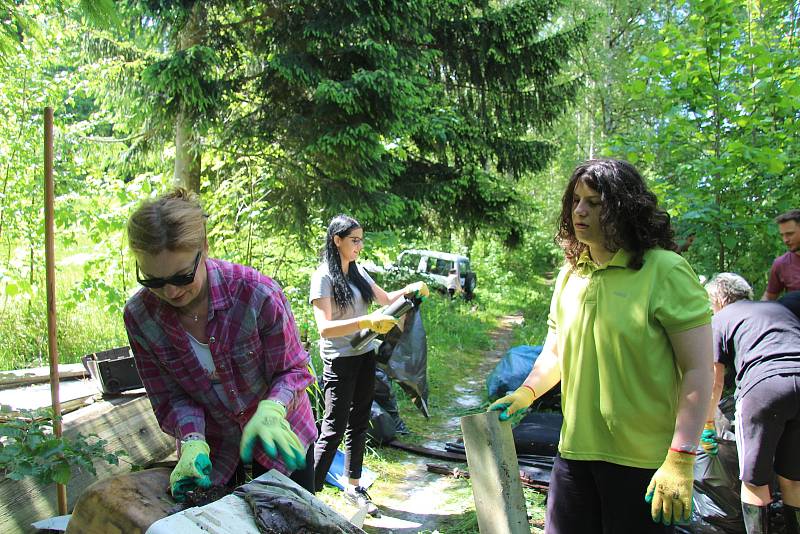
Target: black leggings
(349, 387)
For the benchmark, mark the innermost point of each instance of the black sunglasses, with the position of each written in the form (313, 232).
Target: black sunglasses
(175, 280)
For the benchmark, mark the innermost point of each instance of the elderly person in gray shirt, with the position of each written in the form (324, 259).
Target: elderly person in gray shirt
(761, 340)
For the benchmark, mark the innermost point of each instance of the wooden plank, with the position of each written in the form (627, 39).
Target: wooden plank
(37, 396)
(40, 375)
(496, 486)
(126, 423)
(66, 407)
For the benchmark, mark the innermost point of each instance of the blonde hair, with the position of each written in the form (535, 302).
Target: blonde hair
(173, 221)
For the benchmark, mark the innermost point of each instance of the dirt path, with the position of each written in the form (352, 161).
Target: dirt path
(423, 501)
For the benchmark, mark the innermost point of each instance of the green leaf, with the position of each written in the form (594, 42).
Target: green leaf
(61, 473)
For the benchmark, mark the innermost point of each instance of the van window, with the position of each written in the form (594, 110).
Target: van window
(410, 261)
(440, 266)
(463, 267)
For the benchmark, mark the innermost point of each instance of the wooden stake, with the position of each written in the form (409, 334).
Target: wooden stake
(494, 471)
(49, 252)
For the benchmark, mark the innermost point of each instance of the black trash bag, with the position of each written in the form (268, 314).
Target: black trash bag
(512, 370)
(388, 342)
(381, 426)
(716, 503)
(406, 358)
(717, 507)
(538, 433)
(384, 396)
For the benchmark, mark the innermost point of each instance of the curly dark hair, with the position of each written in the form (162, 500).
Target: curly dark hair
(342, 225)
(630, 215)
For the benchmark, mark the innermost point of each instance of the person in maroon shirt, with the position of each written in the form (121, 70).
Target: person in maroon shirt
(217, 348)
(784, 275)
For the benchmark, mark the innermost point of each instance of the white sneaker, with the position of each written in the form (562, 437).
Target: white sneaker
(358, 495)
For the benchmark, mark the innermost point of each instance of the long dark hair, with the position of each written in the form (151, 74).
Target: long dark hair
(630, 215)
(342, 225)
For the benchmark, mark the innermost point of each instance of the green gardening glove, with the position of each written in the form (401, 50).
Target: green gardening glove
(510, 404)
(670, 489)
(269, 424)
(708, 439)
(192, 471)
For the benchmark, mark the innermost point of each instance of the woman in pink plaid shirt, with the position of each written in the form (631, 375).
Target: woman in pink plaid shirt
(217, 349)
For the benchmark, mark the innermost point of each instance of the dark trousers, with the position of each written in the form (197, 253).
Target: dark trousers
(591, 497)
(349, 387)
(768, 430)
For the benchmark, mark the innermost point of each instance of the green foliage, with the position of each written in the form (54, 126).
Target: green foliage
(29, 449)
(387, 111)
(736, 119)
(84, 329)
(17, 27)
(701, 96)
(185, 80)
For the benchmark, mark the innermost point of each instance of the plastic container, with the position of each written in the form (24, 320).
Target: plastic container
(114, 370)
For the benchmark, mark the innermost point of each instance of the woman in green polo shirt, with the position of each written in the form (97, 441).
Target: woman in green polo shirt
(629, 340)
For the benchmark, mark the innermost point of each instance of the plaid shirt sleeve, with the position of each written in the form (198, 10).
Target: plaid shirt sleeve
(177, 414)
(282, 349)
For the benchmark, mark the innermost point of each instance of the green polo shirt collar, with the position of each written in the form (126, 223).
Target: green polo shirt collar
(586, 265)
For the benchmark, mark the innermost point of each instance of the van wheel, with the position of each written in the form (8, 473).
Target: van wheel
(470, 282)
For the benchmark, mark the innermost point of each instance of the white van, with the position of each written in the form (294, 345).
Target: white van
(437, 265)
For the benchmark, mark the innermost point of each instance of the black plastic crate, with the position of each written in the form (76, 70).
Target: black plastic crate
(113, 369)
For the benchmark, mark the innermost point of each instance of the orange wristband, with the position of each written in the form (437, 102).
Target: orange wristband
(530, 388)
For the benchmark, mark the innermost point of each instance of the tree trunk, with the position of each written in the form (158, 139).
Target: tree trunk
(187, 155)
(187, 145)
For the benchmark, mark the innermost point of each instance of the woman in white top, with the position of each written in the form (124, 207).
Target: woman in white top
(341, 293)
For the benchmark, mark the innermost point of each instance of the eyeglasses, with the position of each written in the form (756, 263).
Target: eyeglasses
(174, 280)
(356, 240)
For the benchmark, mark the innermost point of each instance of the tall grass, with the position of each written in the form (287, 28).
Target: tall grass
(82, 330)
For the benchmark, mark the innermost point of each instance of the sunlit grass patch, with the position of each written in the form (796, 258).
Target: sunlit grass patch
(85, 329)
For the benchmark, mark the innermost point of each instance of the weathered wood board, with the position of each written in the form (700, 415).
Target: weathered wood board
(494, 470)
(72, 394)
(40, 375)
(126, 423)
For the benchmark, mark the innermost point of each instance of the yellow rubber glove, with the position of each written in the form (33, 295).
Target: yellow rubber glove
(192, 470)
(418, 289)
(510, 404)
(670, 489)
(269, 424)
(377, 322)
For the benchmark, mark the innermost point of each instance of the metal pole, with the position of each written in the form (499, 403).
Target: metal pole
(49, 252)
